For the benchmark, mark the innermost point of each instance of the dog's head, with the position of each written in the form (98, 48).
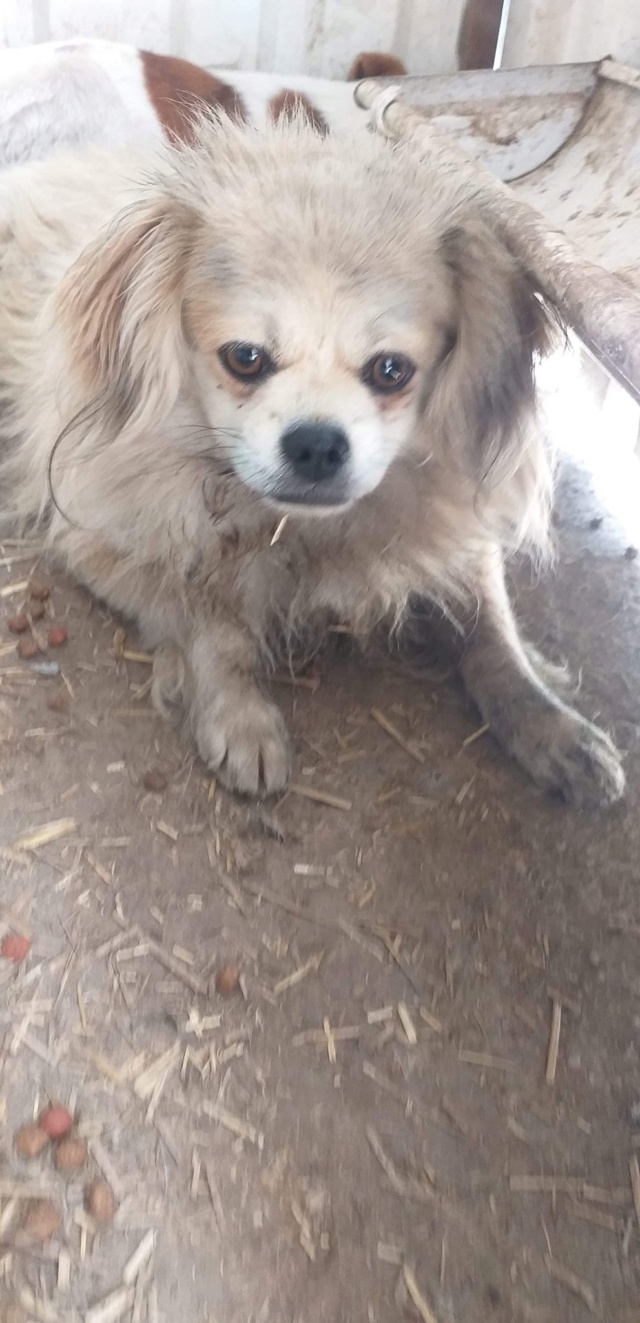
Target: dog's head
(331, 305)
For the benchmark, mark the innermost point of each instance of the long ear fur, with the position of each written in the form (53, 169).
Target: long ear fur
(120, 304)
(483, 403)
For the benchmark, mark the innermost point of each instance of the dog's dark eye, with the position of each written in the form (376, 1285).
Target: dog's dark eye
(249, 362)
(388, 372)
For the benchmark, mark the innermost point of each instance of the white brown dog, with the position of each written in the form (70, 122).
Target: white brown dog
(87, 92)
(198, 341)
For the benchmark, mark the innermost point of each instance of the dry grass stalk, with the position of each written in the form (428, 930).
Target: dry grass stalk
(554, 1041)
(405, 1187)
(572, 1282)
(139, 1258)
(50, 831)
(475, 735)
(165, 958)
(634, 1172)
(407, 1024)
(13, 589)
(321, 797)
(103, 1161)
(576, 1185)
(319, 1036)
(486, 1061)
(113, 1307)
(597, 1219)
(391, 730)
(415, 1294)
(159, 1069)
(297, 975)
(235, 1124)
(360, 940)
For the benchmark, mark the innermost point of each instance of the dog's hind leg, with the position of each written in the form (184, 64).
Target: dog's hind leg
(562, 751)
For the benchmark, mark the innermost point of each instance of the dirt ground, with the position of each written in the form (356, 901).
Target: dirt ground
(362, 1131)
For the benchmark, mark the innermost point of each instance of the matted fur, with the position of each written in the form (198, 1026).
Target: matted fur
(156, 478)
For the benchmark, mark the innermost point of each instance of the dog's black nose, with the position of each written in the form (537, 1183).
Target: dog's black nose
(315, 451)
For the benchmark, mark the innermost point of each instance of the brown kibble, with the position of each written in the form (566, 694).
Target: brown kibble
(15, 947)
(631, 553)
(28, 649)
(71, 1153)
(43, 1220)
(18, 624)
(57, 636)
(39, 592)
(100, 1201)
(30, 1141)
(36, 610)
(57, 702)
(56, 1122)
(154, 780)
(227, 980)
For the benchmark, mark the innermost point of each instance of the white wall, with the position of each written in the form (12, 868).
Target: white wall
(564, 31)
(282, 36)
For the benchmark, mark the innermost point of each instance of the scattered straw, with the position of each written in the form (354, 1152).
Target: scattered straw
(391, 730)
(321, 797)
(634, 1172)
(279, 530)
(575, 1185)
(139, 1258)
(51, 831)
(242, 1129)
(147, 1081)
(476, 735)
(486, 1060)
(554, 1041)
(407, 1024)
(572, 1282)
(426, 1314)
(291, 980)
(113, 1307)
(146, 658)
(405, 1187)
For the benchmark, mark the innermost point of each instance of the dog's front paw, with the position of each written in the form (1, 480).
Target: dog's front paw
(564, 753)
(243, 739)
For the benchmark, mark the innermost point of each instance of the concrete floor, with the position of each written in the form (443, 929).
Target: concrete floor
(362, 1131)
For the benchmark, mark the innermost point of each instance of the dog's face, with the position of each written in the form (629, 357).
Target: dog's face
(331, 306)
(316, 383)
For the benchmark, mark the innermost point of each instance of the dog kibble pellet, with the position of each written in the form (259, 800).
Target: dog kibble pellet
(71, 1153)
(28, 649)
(18, 624)
(57, 636)
(43, 1220)
(56, 1122)
(30, 1141)
(100, 1201)
(15, 947)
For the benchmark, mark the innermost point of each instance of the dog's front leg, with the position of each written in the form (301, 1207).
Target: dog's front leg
(210, 687)
(562, 751)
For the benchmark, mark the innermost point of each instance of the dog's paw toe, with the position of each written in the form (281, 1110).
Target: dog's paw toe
(244, 741)
(571, 757)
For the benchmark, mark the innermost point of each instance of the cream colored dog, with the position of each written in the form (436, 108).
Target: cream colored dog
(197, 342)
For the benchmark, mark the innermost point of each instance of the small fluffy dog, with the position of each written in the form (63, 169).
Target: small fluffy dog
(269, 380)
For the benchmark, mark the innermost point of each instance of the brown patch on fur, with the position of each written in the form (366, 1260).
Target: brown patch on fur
(375, 64)
(478, 35)
(287, 104)
(177, 89)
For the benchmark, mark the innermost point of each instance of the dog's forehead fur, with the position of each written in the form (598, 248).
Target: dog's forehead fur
(301, 234)
(356, 207)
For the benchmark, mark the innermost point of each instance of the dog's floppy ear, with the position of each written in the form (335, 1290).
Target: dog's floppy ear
(484, 395)
(120, 305)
